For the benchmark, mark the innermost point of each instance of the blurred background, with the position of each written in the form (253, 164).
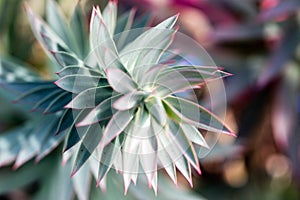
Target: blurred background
(258, 41)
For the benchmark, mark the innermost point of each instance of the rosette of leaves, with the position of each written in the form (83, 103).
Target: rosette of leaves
(116, 96)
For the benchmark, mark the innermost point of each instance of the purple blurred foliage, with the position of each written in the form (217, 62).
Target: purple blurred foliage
(258, 41)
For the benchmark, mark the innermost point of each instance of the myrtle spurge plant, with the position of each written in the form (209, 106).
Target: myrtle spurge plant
(115, 99)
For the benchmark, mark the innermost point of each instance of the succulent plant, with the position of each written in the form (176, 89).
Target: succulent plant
(116, 97)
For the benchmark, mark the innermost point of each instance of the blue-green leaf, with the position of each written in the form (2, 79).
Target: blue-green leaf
(120, 81)
(79, 30)
(79, 83)
(116, 125)
(110, 16)
(196, 115)
(88, 144)
(90, 98)
(75, 69)
(129, 100)
(148, 47)
(58, 23)
(103, 111)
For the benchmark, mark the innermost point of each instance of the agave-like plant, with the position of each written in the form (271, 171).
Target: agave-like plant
(116, 96)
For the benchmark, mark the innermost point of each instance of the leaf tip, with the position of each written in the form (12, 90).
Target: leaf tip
(113, 2)
(80, 124)
(56, 83)
(16, 166)
(37, 160)
(27, 9)
(68, 106)
(73, 173)
(198, 170)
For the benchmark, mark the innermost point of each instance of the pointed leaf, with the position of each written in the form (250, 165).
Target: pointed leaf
(157, 110)
(130, 153)
(67, 58)
(176, 156)
(107, 158)
(32, 145)
(103, 111)
(184, 144)
(183, 79)
(101, 42)
(26, 86)
(58, 103)
(116, 125)
(45, 35)
(49, 144)
(66, 120)
(90, 141)
(57, 22)
(82, 183)
(74, 134)
(110, 16)
(129, 100)
(120, 81)
(45, 101)
(36, 93)
(71, 70)
(195, 114)
(79, 30)
(124, 24)
(79, 83)
(193, 134)
(148, 47)
(90, 98)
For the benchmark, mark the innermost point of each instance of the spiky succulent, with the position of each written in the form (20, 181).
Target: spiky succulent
(116, 98)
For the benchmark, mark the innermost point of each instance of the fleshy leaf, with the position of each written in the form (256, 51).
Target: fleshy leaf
(45, 101)
(101, 42)
(116, 125)
(66, 120)
(57, 22)
(196, 115)
(82, 182)
(45, 35)
(79, 83)
(110, 16)
(90, 141)
(91, 97)
(129, 100)
(102, 111)
(79, 30)
(36, 93)
(148, 47)
(123, 26)
(107, 157)
(193, 134)
(178, 80)
(156, 109)
(67, 58)
(70, 70)
(58, 103)
(75, 133)
(175, 155)
(184, 144)
(120, 81)
(130, 159)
